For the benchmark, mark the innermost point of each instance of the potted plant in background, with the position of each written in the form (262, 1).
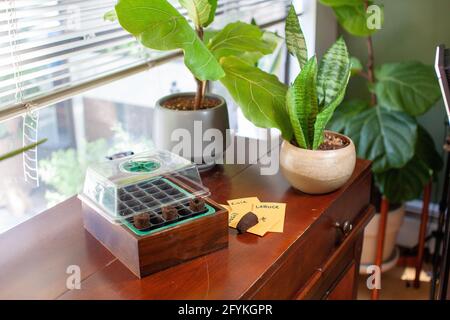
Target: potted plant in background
(158, 25)
(384, 127)
(312, 160)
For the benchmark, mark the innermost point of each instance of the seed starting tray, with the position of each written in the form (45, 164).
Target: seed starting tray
(150, 197)
(141, 187)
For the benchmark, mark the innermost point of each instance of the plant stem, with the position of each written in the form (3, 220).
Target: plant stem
(22, 150)
(201, 85)
(370, 63)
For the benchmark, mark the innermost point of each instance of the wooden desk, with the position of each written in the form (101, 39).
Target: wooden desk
(311, 259)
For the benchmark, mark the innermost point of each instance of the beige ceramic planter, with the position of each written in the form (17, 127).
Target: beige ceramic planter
(317, 172)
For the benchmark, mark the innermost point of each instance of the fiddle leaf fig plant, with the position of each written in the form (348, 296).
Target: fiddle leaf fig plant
(301, 111)
(384, 128)
(159, 25)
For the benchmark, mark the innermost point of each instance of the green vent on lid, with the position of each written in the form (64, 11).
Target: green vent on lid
(141, 166)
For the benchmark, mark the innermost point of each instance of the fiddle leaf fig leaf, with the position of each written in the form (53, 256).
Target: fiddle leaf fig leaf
(426, 151)
(354, 18)
(302, 104)
(260, 95)
(410, 87)
(406, 183)
(386, 137)
(238, 38)
(158, 25)
(344, 115)
(201, 12)
(334, 73)
(110, 16)
(356, 64)
(295, 40)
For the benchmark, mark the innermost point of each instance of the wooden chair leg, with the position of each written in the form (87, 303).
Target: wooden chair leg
(380, 241)
(422, 233)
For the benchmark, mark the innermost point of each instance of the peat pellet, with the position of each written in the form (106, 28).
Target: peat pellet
(247, 221)
(169, 213)
(197, 204)
(142, 221)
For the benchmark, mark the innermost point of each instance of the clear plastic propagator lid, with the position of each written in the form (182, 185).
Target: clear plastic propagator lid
(123, 188)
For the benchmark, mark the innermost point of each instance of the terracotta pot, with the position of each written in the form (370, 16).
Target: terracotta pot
(317, 171)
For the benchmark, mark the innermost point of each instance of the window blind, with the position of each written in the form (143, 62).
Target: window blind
(50, 45)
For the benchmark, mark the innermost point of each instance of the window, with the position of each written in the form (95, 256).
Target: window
(108, 118)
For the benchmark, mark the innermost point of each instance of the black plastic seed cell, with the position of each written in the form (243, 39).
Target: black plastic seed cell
(125, 197)
(131, 188)
(132, 203)
(139, 194)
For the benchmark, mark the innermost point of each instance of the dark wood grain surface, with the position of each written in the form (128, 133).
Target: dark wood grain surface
(34, 256)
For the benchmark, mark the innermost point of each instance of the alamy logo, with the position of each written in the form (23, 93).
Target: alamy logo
(74, 279)
(374, 17)
(374, 280)
(210, 146)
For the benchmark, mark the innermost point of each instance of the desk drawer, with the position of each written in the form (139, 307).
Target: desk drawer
(322, 240)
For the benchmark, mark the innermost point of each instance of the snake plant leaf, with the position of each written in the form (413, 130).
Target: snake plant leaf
(158, 25)
(325, 114)
(295, 40)
(302, 104)
(354, 19)
(238, 38)
(406, 183)
(411, 87)
(260, 95)
(337, 3)
(201, 12)
(334, 73)
(344, 115)
(386, 137)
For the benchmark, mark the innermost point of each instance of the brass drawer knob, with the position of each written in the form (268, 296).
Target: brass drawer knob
(345, 227)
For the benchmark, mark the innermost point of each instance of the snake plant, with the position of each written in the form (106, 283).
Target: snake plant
(302, 110)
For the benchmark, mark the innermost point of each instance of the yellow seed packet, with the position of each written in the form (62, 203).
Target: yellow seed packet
(239, 207)
(275, 211)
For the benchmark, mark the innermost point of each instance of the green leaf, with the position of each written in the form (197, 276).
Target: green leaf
(212, 12)
(110, 16)
(344, 115)
(337, 3)
(238, 38)
(411, 87)
(354, 19)
(426, 151)
(357, 66)
(295, 40)
(200, 11)
(22, 150)
(386, 137)
(334, 73)
(325, 115)
(407, 183)
(158, 25)
(302, 104)
(260, 95)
